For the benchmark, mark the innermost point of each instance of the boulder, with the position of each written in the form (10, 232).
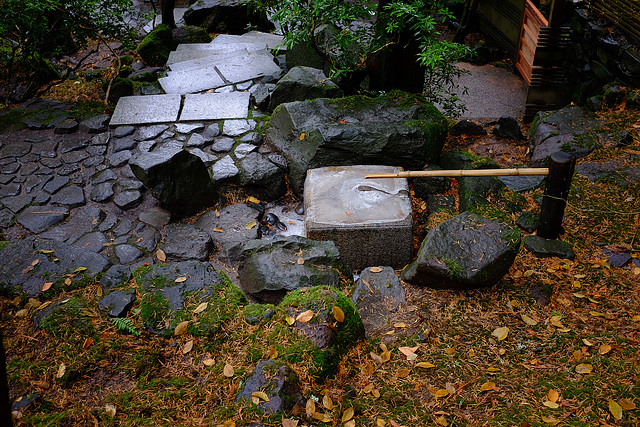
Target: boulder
(302, 83)
(271, 268)
(279, 382)
(178, 179)
(508, 127)
(190, 34)
(467, 251)
(156, 46)
(230, 228)
(226, 16)
(118, 303)
(186, 242)
(115, 276)
(262, 178)
(545, 248)
(378, 293)
(333, 328)
(396, 129)
(571, 129)
(426, 186)
(466, 127)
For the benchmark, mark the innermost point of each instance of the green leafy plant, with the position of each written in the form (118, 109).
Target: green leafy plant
(343, 35)
(126, 325)
(32, 32)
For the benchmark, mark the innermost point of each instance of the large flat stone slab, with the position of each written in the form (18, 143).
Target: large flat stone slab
(137, 110)
(370, 220)
(216, 106)
(188, 81)
(249, 66)
(187, 55)
(253, 40)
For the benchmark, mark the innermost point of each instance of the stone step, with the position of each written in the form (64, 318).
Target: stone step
(135, 110)
(215, 106)
(188, 81)
(195, 59)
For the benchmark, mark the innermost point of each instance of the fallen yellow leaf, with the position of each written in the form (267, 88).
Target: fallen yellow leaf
(181, 328)
(350, 423)
(450, 351)
(327, 402)
(273, 353)
(288, 422)
(408, 351)
(555, 321)
(627, 404)
(202, 307)
(604, 349)
(302, 135)
(549, 404)
(596, 313)
(79, 269)
(61, 370)
(488, 386)
(46, 286)
(161, 255)
(441, 421)
(550, 420)
(305, 316)
(375, 357)
(425, 365)
(323, 418)
(380, 422)
(347, 414)
(209, 362)
(501, 333)
(218, 230)
(553, 395)
(587, 342)
(252, 199)
(290, 320)
(181, 279)
(260, 395)
(400, 325)
(403, 373)
(228, 371)
(300, 261)
(310, 408)
(338, 314)
(441, 393)
(615, 409)
(584, 368)
(187, 347)
(251, 225)
(528, 320)
(375, 269)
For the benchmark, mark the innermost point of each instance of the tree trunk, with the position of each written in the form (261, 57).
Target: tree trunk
(397, 66)
(167, 12)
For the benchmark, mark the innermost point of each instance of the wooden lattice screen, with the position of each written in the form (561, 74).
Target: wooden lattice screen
(624, 13)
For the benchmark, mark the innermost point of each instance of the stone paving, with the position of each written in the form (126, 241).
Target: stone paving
(70, 183)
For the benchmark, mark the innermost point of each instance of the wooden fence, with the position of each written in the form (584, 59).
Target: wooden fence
(624, 13)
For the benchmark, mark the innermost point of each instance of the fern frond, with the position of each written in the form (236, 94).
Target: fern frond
(126, 325)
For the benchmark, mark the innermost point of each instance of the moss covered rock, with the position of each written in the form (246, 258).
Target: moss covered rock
(156, 46)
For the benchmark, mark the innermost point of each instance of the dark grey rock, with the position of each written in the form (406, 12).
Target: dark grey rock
(93, 242)
(81, 221)
(186, 242)
(127, 254)
(75, 143)
(620, 170)
(260, 96)
(233, 221)
(522, 182)
(202, 281)
(121, 144)
(302, 83)
(45, 148)
(68, 169)
(377, 294)
(128, 200)
(95, 124)
(118, 303)
(130, 184)
(377, 133)
(467, 251)
(149, 132)
(29, 168)
(147, 238)
(262, 178)
(156, 217)
(281, 385)
(15, 149)
(271, 268)
(104, 176)
(93, 161)
(571, 129)
(207, 158)
(120, 158)
(41, 198)
(252, 138)
(115, 276)
(51, 163)
(544, 248)
(108, 223)
(528, 221)
(123, 227)
(212, 131)
(616, 258)
(243, 150)
(6, 218)
(74, 156)
(196, 140)
(439, 202)
(17, 203)
(122, 131)
(56, 184)
(508, 127)
(148, 74)
(72, 196)
(178, 179)
(66, 127)
(222, 144)
(279, 160)
(10, 190)
(466, 127)
(187, 128)
(101, 139)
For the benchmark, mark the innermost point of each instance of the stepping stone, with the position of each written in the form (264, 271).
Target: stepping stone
(215, 106)
(200, 59)
(251, 40)
(190, 81)
(135, 110)
(250, 66)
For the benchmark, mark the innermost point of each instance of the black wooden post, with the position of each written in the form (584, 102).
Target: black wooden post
(558, 184)
(5, 402)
